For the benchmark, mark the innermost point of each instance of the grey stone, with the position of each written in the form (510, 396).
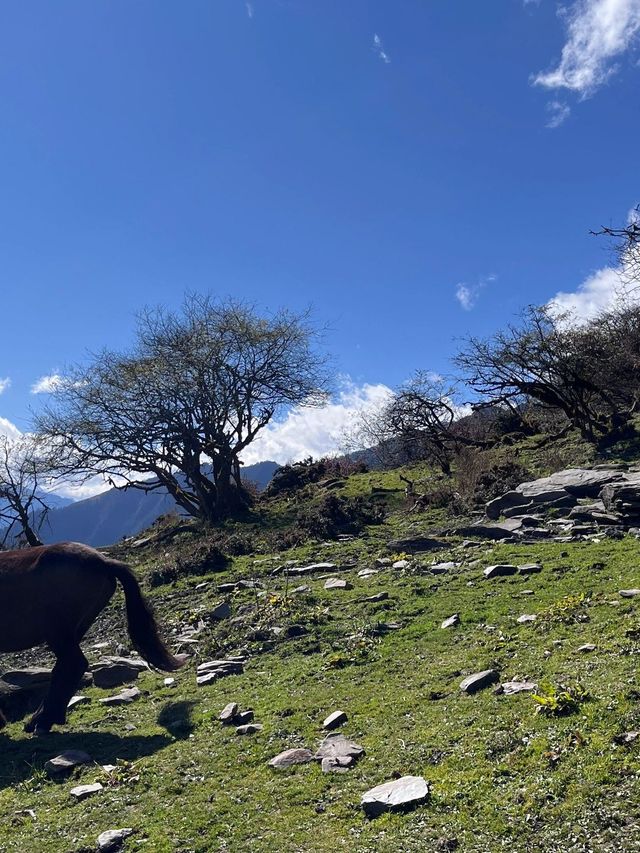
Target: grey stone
(479, 680)
(499, 570)
(400, 794)
(244, 717)
(526, 617)
(338, 746)
(125, 697)
(228, 712)
(65, 762)
(81, 792)
(337, 583)
(414, 544)
(114, 673)
(530, 569)
(338, 718)
(291, 756)
(311, 569)
(629, 593)
(451, 622)
(249, 729)
(221, 611)
(111, 840)
(401, 564)
(78, 700)
(509, 688)
(586, 647)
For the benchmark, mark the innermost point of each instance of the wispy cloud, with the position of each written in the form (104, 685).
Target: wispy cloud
(8, 429)
(4, 384)
(598, 33)
(47, 384)
(379, 49)
(250, 9)
(558, 112)
(468, 294)
(315, 432)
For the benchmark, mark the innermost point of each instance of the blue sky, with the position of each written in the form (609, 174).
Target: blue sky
(416, 170)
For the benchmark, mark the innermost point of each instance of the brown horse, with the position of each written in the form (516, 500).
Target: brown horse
(52, 594)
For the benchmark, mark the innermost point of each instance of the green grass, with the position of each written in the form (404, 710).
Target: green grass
(504, 775)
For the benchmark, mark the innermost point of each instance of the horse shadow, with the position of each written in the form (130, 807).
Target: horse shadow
(25, 757)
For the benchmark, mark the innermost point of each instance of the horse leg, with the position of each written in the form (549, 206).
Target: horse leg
(67, 672)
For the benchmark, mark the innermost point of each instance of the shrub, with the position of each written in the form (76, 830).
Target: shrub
(334, 515)
(204, 559)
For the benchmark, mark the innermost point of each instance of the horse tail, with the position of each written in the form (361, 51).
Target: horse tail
(143, 628)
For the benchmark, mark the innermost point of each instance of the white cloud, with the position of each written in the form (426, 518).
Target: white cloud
(4, 384)
(249, 8)
(315, 432)
(600, 291)
(47, 384)
(8, 429)
(379, 49)
(468, 294)
(598, 32)
(558, 113)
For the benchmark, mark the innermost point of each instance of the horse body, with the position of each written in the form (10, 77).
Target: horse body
(51, 595)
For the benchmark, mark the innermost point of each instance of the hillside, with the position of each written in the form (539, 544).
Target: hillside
(503, 773)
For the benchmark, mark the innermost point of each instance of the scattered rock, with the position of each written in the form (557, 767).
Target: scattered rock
(112, 840)
(244, 717)
(78, 700)
(626, 738)
(500, 570)
(338, 718)
(65, 762)
(380, 596)
(337, 583)
(212, 670)
(81, 792)
(309, 570)
(509, 688)
(526, 617)
(586, 647)
(290, 757)
(221, 611)
(228, 712)
(125, 697)
(479, 680)
(367, 573)
(116, 672)
(337, 753)
(168, 682)
(629, 593)
(530, 569)
(451, 622)
(248, 729)
(400, 794)
(414, 544)
(401, 564)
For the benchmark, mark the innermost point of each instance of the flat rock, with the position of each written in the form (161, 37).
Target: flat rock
(400, 794)
(367, 573)
(530, 569)
(125, 697)
(505, 530)
(110, 674)
(290, 757)
(337, 764)
(111, 840)
(526, 617)
(499, 570)
(401, 564)
(414, 544)
(509, 688)
(338, 718)
(451, 622)
(479, 680)
(629, 593)
(586, 647)
(337, 583)
(249, 729)
(81, 792)
(338, 746)
(66, 761)
(310, 569)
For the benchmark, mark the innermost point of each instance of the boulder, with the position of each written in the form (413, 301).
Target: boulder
(479, 680)
(64, 763)
(499, 570)
(290, 757)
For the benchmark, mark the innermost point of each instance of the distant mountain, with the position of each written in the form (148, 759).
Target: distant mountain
(112, 515)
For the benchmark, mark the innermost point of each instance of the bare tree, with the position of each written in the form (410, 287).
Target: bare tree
(587, 371)
(627, 244)
(23, 507)
(421, 421)
(179, 410)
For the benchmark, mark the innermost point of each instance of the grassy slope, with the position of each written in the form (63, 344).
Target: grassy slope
(503, 775)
